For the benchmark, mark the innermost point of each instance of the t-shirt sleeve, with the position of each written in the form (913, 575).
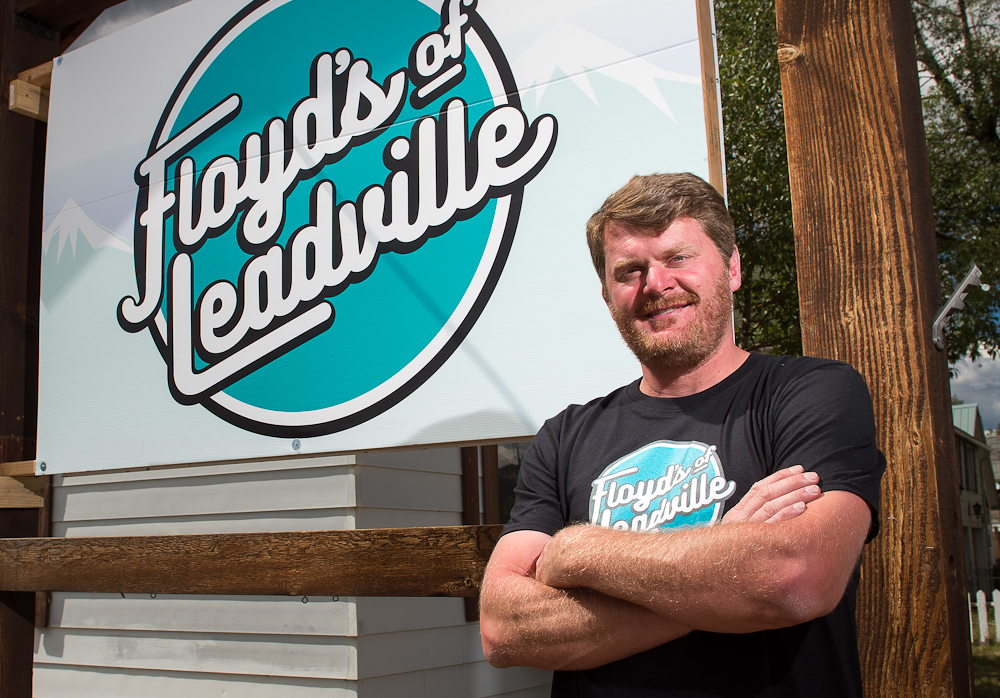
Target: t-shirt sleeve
(825, 422)
(538, 505)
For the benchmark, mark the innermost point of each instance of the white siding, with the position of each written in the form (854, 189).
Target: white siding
(109, 646)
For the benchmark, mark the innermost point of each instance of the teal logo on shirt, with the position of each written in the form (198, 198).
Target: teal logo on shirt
(326, 206)
(665, 484)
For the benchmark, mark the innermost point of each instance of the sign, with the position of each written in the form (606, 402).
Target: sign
(298, 227)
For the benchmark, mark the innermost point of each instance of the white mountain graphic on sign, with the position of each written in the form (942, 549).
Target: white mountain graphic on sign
(72, 222)
(577, 52)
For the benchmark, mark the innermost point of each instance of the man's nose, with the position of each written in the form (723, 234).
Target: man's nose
(659, 281)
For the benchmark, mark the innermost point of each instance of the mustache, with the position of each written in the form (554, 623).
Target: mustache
(667, 302)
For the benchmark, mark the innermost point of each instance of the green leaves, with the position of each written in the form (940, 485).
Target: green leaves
(767, 306)
(958, 51)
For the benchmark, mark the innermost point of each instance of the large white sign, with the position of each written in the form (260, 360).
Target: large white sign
(298, 226)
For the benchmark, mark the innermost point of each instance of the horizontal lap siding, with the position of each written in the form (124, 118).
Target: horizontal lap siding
(205, 614)
(479, 679)
(105, 645)
(245, 654)
(423, 648)
(92, 682)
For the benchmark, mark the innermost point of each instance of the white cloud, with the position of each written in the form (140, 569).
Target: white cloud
(979, 381)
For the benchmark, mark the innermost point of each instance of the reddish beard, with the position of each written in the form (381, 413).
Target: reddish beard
(681, 349)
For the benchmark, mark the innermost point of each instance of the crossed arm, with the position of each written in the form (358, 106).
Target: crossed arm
(573, 601)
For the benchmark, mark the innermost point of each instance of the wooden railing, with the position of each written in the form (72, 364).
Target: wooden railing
(441, 561)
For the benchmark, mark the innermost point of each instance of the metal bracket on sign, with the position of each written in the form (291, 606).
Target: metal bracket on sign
(956, 302)
(36, 27)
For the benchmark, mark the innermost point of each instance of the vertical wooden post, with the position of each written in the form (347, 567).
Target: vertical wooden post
(470, 510)
(17, 616)
(22, 153)
(869, 288)
(17, 638)
(491, 484)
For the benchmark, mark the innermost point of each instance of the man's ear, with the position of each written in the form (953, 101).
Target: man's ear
(735, 272)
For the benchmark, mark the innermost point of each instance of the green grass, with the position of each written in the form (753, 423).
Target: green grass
(986, 670)
(985, 663)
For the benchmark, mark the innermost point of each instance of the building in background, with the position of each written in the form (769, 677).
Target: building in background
(978, 496)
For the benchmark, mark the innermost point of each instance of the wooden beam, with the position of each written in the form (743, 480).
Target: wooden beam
(442, 561)
(21, 468)
(40, 75)
(62, 13)
(14, 495)
(29, 100)
(869, 287)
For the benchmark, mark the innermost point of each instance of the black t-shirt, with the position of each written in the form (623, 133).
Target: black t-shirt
(633, 461)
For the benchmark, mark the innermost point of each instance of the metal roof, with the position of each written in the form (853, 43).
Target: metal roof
(965, 417)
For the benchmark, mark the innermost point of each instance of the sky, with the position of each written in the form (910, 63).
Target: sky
(979, 382)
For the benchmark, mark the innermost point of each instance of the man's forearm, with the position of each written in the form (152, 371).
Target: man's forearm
(730, 578)
(527, 623)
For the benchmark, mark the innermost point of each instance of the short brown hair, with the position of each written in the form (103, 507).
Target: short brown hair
(650, 203)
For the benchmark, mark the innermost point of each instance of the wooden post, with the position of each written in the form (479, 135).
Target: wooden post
(22, 151)
(470, 510)
(869, 288)
(22, 157)
(491, 484)
(17, 616)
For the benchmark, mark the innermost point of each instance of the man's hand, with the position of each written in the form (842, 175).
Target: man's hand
(528, 620)
(778, 497)
(733, 578)
(526, 623)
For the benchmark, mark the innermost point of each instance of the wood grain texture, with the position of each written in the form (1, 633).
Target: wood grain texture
(43, 599)
(40, 75)
(28, 100)
(15, 495)
(61, 13)
(17, 635)
(441, 561)
(17, 610)
(17, 468)
(22, 152)
(710, 95)
(470, 512)
(491, 484)
(470, 486)
(869, 287)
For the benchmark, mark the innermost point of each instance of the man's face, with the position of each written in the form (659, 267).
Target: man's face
(670, 294)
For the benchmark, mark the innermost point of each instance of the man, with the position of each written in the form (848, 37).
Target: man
(755, 606)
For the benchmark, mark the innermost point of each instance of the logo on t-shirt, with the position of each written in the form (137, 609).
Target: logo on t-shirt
(665, 484)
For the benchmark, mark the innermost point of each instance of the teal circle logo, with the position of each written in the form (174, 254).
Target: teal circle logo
(663, 485)
(326, 206)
